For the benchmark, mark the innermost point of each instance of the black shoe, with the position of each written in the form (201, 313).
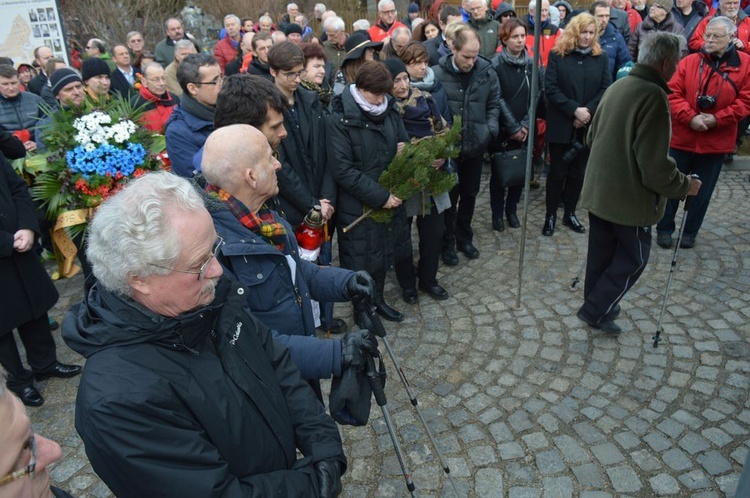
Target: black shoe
(53, 325)
(469, 250)
(571, 220)
(338, 326)
(388, 313)
(58, 370)
(450, 257)
(410, 296)
(549, 225)
(497, 224)
(30, 397)
(435, 291)
(612, 315)
(687, 241)
(608, 326)
(664, 240)
(513, 221)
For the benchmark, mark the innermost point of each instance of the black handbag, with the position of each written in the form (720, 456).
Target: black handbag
(509, 167)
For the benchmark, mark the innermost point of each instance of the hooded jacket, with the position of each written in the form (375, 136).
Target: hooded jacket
(648, 27)
(614, 44)
(694, 77)
(203, 404)
(186, 132)
(156, 108)
(478, 104)
(277, 300)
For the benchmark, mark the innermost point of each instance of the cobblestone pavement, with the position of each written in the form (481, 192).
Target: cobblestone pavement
(529, 402)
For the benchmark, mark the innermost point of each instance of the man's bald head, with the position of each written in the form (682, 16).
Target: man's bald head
(228, 152)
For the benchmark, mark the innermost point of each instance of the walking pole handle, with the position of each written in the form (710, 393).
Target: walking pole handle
(689, 198)
(375, 384)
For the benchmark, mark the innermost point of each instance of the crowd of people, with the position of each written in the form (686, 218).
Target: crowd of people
(279, 119)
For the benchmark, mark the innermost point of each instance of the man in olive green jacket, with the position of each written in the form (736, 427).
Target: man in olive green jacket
(628, 178)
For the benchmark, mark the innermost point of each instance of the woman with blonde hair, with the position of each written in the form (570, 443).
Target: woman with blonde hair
(577, 76)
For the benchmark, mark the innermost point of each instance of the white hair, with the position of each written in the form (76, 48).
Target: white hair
(319, 8)
(335, 23)
(660, 46)
(383, 3)
(360, 24)
(232, 16)
(132, 230)
(723, 21)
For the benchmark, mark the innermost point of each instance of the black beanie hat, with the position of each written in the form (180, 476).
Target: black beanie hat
(396, 66)
(293, 28)
(62, 77)
(94, 66)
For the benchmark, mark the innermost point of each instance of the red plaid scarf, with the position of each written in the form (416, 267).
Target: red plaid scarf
(263, 224)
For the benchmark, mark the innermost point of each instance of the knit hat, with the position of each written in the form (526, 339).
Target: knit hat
(413, 8)
(666, 4)
(396, 66)
(94, 66)
(62, 77)
(293, 28)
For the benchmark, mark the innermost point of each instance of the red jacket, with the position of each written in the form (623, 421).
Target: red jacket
(743, 32)
(157, 109)
(548, 38)
(693, 75)
(225, 52)
(378, 33)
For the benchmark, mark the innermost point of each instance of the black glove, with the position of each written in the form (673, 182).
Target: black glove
(354, 347)
(329, 477)
(361, 284)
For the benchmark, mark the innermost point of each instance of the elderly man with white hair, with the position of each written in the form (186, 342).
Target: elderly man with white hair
(549, 32)
(185, 393)
(387, 21)
(487, 28)
(335, 30)
(291, 12)
(227, 49)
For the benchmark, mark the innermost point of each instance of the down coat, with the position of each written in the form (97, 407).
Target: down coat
(203, 404)
(693, 74)
(478, 104)
(28, 292)
(304, 178)
(359, 150)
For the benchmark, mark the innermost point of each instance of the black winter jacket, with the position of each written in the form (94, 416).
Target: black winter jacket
(205, 404)
(304, 178)
(576, 80)
(478, 105)
(359, 150)
(28, 292)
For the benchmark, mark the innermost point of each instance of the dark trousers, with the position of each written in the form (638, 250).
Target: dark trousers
(708, 169)
(40, 352)
(502, 203)
(430, 228)
(463, 199)
(617, 255)
(565, 179)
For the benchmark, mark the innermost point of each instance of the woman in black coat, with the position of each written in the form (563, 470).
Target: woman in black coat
(364, 134)
(576, 78)
(28, 293)
(514, 67)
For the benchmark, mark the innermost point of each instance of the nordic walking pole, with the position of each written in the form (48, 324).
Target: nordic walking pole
(371, 321)
(377, 390)
(688, 201)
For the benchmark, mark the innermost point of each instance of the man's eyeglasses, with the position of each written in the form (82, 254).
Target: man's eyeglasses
(294, 76)
(28, 470)
(201, 272)
(216, 81)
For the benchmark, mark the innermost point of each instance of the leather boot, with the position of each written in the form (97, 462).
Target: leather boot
(549, 225)
(571, 220)
(381, 307)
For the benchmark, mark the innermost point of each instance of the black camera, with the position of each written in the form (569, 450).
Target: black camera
(706, 101)
(572, 152)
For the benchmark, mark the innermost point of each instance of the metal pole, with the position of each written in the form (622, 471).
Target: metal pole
(530, 146)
